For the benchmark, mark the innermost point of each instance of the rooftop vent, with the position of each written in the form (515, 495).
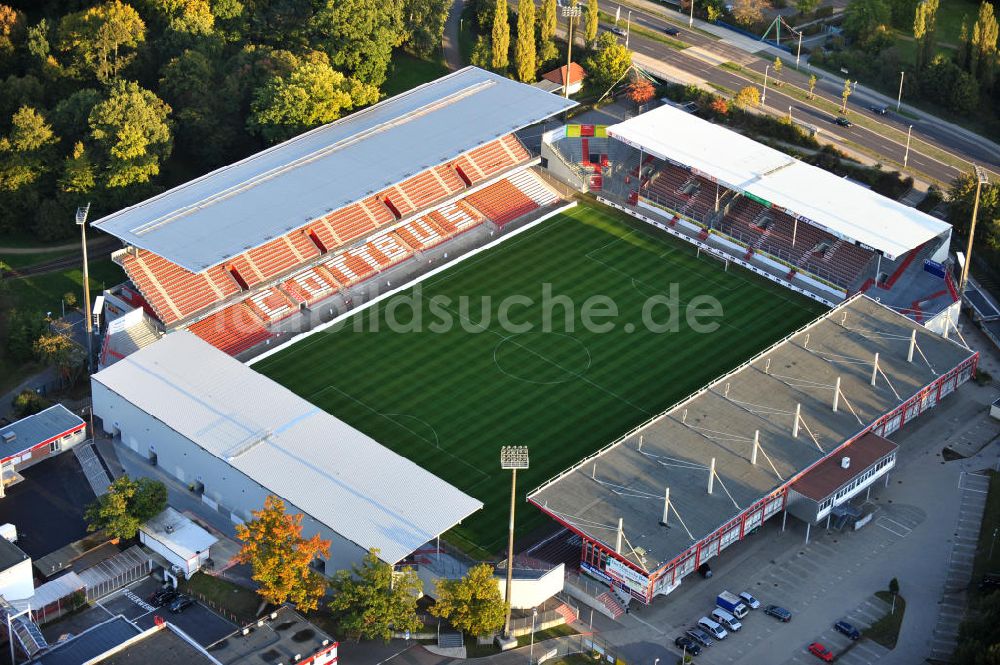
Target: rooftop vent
(8, 437)
(845, 462)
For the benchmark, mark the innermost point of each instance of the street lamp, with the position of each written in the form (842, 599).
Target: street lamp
(789, 114)
(982, 178)
(531, 649)
(628, 27)
(798, 53)
(81, 221)
(763, 98)
(906, 155)
(899, 99)
(569, 13)
(691, 18)
(513, 458)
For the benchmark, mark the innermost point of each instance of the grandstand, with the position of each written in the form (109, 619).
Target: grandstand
(801, 226)
(669, 495)
(231, 254)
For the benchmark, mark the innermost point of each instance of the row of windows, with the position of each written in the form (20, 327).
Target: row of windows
(858, 481)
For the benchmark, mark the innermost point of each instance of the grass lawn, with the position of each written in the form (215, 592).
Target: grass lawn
(885, 631)
(561, 630)
(408, 72)
(238, 601)
(27, 260)
(449, 396)
(983, 563)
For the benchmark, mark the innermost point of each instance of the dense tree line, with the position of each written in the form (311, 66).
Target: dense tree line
(113, 101)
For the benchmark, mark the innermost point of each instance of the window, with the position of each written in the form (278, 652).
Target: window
(729, 537)
(54, 447)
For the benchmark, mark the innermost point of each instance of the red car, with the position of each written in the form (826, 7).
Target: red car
(821, 652)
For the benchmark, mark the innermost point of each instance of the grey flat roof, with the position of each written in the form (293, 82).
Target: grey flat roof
(10, 554)
(238, 207)
(38, 428)
(162, 645)
(280, 638)
(341, 477)
(91, 643)
(626, 481)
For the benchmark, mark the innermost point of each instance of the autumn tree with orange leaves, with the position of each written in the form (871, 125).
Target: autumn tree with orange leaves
(640, 91)
(280, 557)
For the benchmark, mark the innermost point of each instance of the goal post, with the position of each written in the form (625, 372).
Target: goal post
(705, 253)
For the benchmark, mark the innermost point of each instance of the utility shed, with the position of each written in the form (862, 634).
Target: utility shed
(179, 540)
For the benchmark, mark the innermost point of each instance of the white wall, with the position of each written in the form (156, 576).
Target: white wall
(188, 568)
(17, 582)
(528, 593)
(235, 493)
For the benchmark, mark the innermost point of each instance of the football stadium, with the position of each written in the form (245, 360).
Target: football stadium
(689, 330)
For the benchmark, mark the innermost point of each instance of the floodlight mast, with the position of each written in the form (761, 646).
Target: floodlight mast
(513, 458)
(569, 13)
(81, 221)
(982, 178)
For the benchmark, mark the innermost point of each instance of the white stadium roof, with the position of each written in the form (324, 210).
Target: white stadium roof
(241, 206)
(838, 205)
(339, 476)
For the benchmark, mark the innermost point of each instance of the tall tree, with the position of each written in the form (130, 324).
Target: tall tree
(806, 6)
(963, 57)
(132, 133)
(546, 32)
(78, 176)
(640, 91)
(102, 40)
(127, 504)
(812, 85)
(473, 604)
(25, 153)
(280, 558)
(845, 93)
(358, 36)
(866, 22)
(11, 29)
(524, 49)
(590, 21)
(500, 37)
(609, 62)
(424, 22)
(748, 97)
(749, 12)
(311, 95)
(983, 47)
(924, 31)
(372, 600)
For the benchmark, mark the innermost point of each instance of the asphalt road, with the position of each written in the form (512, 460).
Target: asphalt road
(934, 133)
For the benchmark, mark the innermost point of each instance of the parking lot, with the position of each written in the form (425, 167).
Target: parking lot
(202, 624)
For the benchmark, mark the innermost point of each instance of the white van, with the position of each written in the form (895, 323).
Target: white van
(726, 619)
(713, 628)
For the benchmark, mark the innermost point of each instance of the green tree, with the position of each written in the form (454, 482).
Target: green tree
(778, 68)
(749, 12)
(424, 21)
(358, 36)
(57, 350)
(102, 40)
(524, 49)
(609, 62)
(126, 506)
(38, 40)
(23, 328)
(748, 97)
(945, 83)
(71, 116)
(192, 17)
(806, 6)
(371, 601)
(79, 175)
(312, 94)
(482, 53)
(280, 558)
(472, 604)
(812, 85)
(25, 153)
(963, 56)
(500, 37)
(132, 134)
(924, 31)
(231, 19)
(845, 93)
(983, 47)
(547, 21)
(961, 197)
(28, 403)
(11, 30)
(590, 21)
(866, 22)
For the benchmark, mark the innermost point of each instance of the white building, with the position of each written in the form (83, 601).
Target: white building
(34, 438)
(179, 540)
(235, 436)
(16, 576)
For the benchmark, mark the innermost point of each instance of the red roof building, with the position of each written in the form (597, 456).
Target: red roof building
(577, 74)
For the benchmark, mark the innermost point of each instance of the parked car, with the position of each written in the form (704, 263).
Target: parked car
(700, 636)
(879, 110)
(778, 612)
(671, 30)
(686, 644)
(713, 628)
(163, 597)
(843, 122)
(731, 623)
(749, 600)
(821, 652)
(705, 570)
(618, 31)
(847, 629)
(181, 603)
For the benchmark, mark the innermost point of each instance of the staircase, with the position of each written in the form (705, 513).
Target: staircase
(450, 640)
(567, 613)
(98, 478)
(29, 637)
(613, 605)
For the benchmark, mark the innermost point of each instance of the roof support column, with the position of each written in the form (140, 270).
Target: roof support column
(711, 476)
(618, 538)
(913, 343)
(756, 445)
(666, 506)
(875, 369)
(836, 395)
(798, 417)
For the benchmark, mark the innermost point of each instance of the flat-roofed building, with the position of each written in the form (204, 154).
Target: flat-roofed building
(37, 437)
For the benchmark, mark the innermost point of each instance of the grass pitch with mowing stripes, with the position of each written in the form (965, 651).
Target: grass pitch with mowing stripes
(449, 396)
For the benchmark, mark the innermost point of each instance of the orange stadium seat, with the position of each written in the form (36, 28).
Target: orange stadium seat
(233, 329)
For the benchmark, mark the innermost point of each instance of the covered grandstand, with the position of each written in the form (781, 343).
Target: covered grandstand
(654, 505)
(826, 236)
(233, 252)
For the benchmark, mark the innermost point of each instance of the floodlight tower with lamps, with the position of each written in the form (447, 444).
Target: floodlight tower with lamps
(569, 13)
(513, 458)
(81, 221)
(982, 178)
(763, 98)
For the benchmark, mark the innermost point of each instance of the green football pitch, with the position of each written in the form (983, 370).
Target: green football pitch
(448, 396)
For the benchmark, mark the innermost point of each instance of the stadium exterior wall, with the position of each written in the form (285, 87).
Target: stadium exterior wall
(601, 561)
(234, 494)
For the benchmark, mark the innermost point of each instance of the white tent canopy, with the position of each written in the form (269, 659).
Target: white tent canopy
(816, 196)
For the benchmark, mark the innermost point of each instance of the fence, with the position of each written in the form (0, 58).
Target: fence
(597, 648)
(118, 571)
